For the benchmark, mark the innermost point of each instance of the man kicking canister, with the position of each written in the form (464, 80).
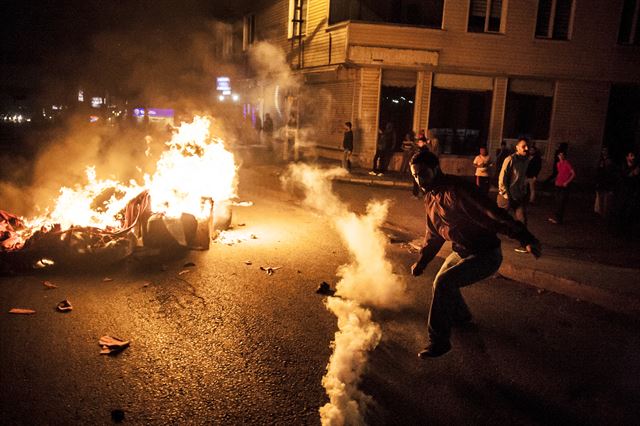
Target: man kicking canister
(457, 212)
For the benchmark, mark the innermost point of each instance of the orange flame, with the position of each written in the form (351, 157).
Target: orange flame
(193, 168)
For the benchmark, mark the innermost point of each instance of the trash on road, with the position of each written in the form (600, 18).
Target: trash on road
(107, 280)
(22, 311)
(325, 289)
(146, 284)
(49, 285)
(112, 345)
(184, 271)
(270, 270)
(248, 262)
(188, 264)
(64, 306)
(117, 415)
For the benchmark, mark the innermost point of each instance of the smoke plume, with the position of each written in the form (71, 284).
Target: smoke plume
(367, 280)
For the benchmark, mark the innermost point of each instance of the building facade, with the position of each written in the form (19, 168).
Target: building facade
(471, 72)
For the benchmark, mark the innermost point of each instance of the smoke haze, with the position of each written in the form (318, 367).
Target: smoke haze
(367, 280)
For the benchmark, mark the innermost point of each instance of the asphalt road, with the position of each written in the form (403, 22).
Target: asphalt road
(225, 343)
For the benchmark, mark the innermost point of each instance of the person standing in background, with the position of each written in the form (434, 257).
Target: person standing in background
(408, 148)
(347, 146)
(564, 177)
(433, 144)
(482, 162)
(533, 170)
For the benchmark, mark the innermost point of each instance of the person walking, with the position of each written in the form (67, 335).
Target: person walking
(457, 212)
(533, 170)
(564, 177)
(482, 163)
(347, 146)
(512, 184)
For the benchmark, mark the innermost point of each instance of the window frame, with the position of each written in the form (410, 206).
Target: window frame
(487, 17)
(631, 40)
(550, 24)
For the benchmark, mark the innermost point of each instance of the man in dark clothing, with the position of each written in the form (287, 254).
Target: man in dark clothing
(456, 212)
(347, 146)
(267, 129)
(533, 170)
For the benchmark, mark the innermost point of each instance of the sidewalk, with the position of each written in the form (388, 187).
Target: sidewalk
(581, 259)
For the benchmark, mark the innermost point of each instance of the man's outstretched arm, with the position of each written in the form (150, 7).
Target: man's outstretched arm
(432, 244)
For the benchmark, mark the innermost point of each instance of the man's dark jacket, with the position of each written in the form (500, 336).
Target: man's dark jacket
(457, 212)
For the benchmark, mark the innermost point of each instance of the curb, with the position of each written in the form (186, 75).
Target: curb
(626, 304)
(387, 183)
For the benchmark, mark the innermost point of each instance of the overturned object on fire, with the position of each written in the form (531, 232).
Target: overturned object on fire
(22, 248)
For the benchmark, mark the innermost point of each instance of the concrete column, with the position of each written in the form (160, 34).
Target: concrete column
(498, 104)
(367, 113)
(422, 101)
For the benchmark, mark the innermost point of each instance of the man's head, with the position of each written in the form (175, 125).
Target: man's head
(347, 125)
(425, 167)
(522, 147)
(631, 157)
(483, 151)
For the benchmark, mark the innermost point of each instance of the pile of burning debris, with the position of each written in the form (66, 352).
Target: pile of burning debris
(182, 204)
(23, 248)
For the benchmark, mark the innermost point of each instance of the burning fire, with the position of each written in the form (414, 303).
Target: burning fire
(194, 168)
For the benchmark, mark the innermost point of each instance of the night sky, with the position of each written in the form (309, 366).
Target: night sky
(49, 46)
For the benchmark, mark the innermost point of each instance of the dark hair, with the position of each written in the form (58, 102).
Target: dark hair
(426, 158)
(348, 124)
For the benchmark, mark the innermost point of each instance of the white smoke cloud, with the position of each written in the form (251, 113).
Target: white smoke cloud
(367, 280)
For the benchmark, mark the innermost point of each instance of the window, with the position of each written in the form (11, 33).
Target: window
(297, 18)
(485, 16)
(422, 13)
(629, 29)
(459, 112)
(554, 19)
(248, 31)
(528, 109)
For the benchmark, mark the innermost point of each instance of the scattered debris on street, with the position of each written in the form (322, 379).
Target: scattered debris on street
(184, 271)
(64, 306)
(117, 415)
(22, 311)
(248, 262)
(112, 345)
(270, 270)
(107, 280)
(49, 285)
(325, 289)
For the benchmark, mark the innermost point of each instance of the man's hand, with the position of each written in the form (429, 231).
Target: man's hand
(417, 269)
(535, 249)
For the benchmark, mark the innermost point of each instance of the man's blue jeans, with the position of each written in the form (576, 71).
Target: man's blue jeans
(448, 305)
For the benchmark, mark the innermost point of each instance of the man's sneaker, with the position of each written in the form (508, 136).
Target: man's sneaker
(380, 174)
(520, 250)
(552, 220)
(435, 349)
(372, 173)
